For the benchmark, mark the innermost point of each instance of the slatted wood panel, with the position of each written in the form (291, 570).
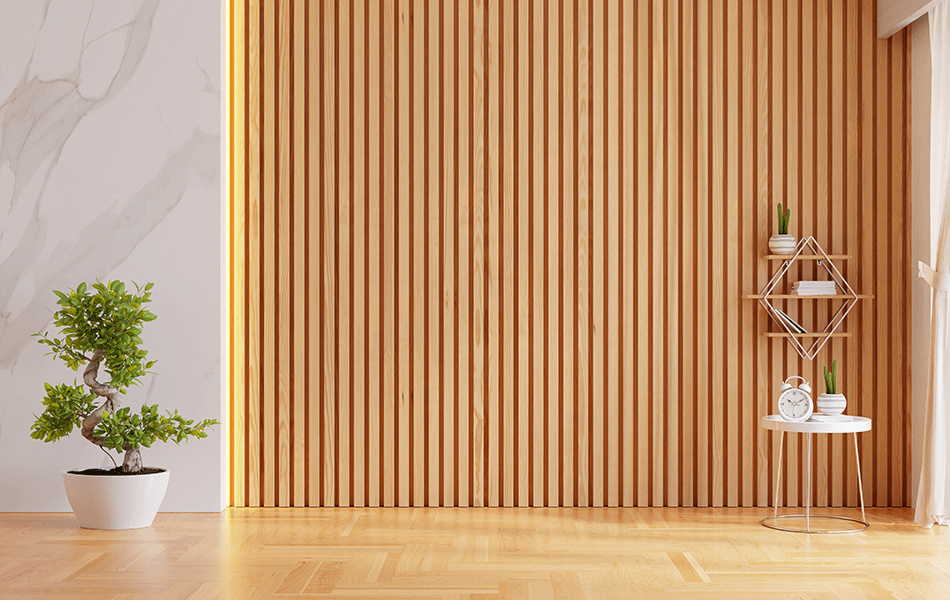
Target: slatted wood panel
(494, 253)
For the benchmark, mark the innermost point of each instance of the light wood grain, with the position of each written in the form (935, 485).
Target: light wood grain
(507, 253)
(246, 554)
(283, 399)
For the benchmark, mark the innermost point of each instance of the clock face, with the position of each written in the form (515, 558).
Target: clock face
(795, 405)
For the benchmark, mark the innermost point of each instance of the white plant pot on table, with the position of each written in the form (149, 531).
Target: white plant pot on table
(831, 404)
(115, 501)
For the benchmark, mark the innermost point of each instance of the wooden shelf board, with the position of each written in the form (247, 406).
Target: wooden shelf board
(797, 297)
(807, 257)
(773, 334)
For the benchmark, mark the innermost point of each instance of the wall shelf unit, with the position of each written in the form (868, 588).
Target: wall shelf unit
(810, 250)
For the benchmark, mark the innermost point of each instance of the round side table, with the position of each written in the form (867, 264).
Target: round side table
(855, 425)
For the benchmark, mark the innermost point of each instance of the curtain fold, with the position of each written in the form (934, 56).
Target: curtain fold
(933, 497)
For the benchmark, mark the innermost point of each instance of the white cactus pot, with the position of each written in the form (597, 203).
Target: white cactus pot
(831, 404)
(782, 243)
(115, 501)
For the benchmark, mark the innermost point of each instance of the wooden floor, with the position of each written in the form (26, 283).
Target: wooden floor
(469, 553)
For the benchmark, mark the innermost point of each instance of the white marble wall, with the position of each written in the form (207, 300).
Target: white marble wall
(110, 156)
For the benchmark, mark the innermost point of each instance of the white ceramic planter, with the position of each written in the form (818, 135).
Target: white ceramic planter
(782, 243)
(115, 502)
(831, 404)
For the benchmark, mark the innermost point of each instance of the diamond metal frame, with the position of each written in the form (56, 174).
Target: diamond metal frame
(833, 325)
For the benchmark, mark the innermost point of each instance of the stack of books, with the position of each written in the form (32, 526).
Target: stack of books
(814, 288)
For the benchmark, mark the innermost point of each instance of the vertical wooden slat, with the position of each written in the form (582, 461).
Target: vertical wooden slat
(554, 397)
(359, 165)
(403, 234)
(418, 201)
(883, 276)
(688, 434)
(582, 281)
(434, 269)
(626, 264)
(656, 201)
(898, 409)
(816, 183)
(750, 252)
(731, 214)
(389, 400)
(865, 278)
(448, 257)
(343, 252)
(644, 125)
(763, 225)
(611, 287)
(284, 243)
(598, 249)
(465, 292)
(300, 395)
(672, 232)
(567, 260)
(238, 267)
(522, 249)
(268, 250)
(507, 292)
(479, 317)
(494, 253)
(718, 254)
(329, 209)
(494, 369)
(536, 235)
(311, 326)
(703, 256)
(374, 230)
(835, 223)
(254, 290)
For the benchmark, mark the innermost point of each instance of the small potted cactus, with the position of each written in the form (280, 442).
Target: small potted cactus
(831, 402)
(782, 242)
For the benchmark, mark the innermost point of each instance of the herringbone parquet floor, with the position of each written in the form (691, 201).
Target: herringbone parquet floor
(467, 554)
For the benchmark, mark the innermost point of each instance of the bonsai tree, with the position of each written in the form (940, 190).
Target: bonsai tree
(783, 218)
(831, 378)
(102, 326)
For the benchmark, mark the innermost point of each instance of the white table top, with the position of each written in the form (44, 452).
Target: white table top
(856, 425)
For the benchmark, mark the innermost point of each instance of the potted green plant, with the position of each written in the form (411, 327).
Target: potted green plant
(782, 242)
(99, 326)
(831, 402)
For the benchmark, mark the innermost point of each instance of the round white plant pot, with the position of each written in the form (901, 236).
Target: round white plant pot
(831, 404)
(115, 501)
(782, 243)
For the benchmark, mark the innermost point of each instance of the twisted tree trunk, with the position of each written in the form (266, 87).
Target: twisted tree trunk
(133, 459)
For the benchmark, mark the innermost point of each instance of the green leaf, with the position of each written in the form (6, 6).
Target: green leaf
(81, 288)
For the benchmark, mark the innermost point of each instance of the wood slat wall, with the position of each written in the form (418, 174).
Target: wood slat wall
(493, 253)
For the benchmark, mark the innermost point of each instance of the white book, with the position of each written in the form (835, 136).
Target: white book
(792, 323)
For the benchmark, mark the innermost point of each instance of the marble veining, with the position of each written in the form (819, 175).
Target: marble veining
(110, 161)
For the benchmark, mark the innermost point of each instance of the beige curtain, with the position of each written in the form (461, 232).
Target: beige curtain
(933, 498)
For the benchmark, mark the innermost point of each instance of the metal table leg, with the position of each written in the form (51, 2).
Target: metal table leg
(808, 489)
(778, 482)
(857, 460)
(778, 471)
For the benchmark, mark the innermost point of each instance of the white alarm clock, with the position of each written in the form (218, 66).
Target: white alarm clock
(794, 403)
